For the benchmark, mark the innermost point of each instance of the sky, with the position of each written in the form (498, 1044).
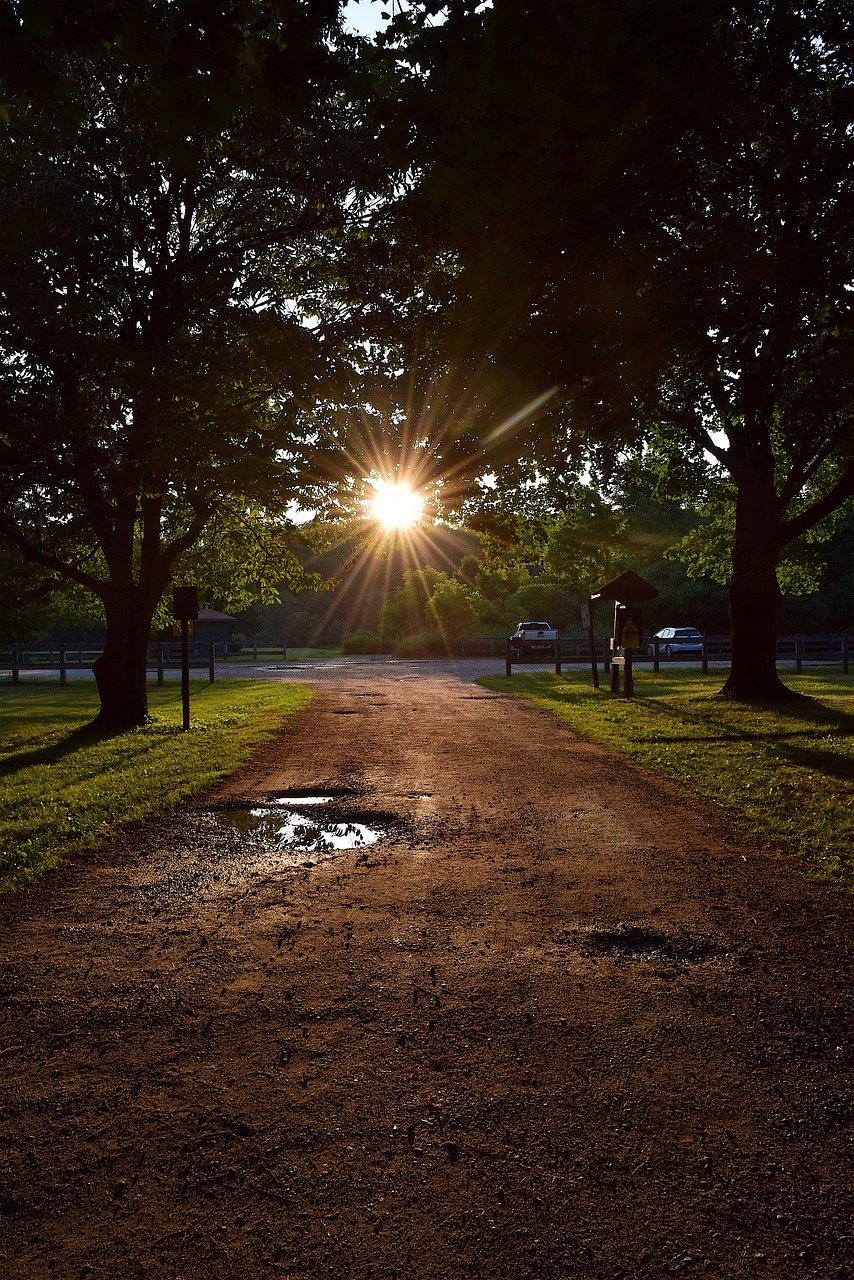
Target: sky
(364, 16)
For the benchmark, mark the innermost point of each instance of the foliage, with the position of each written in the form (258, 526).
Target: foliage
(66, 788)
(670, 269)
(453, 609)
(177, 193)
(782, 776)
(362, 641)
(403, 612)
(584, 543)
(34, 602)
(426, 643)
(544, 602)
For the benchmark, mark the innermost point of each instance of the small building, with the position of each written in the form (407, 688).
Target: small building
(214, 627)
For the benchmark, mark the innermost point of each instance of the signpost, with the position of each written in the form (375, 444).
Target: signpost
(185, 608)
(626, 590)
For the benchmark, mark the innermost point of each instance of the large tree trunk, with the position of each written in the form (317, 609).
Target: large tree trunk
(120, 671)
(755, 597)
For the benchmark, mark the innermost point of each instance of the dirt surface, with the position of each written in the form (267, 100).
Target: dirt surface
(553, 1023)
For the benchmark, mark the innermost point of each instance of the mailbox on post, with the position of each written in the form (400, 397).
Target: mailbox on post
(627, 591)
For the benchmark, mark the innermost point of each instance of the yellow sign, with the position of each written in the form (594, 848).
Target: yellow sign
(631, 636)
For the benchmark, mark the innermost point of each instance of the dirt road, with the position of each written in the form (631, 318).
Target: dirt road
(552, 1023)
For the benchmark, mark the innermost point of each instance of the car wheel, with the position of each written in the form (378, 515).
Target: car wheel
(668, 652)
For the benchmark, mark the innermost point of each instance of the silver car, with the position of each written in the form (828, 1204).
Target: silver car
(674, 641)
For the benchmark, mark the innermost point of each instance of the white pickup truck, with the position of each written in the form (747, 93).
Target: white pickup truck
(531, 636)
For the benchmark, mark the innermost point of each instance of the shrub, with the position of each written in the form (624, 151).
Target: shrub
(364, 641)
(427, 643)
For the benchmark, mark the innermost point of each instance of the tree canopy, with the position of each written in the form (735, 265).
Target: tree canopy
(177, 186)
(654, 239)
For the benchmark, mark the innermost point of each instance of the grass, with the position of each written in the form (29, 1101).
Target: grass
(65, 788)
(782, 773)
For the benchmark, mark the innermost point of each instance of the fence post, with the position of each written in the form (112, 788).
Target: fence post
(160, 665)
(63, 665)
(15, 669)
(705, 664)
(255, 651)
(656, 654)
(799, 662)
(507, 658)
(845, 655)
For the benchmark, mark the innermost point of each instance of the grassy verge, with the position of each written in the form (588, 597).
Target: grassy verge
(65, 788)
(784, 774)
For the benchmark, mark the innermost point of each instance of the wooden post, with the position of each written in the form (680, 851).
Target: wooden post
(185, 674)
(845, 655)
(656, 655)
(16, 673)
(587, 622)
(285, 650)
(799, 664)
(615, 676)
(507, 659)
(255, 651)
(705, 664)
(160, 665)
(628, 683)
(211, 663)
(557, 657)
(63, 666)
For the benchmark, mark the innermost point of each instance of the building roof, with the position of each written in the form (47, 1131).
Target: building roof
(207, 614)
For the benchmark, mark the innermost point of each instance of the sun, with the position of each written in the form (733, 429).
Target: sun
(395, 504)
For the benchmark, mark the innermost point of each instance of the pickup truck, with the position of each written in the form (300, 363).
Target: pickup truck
(532, 636)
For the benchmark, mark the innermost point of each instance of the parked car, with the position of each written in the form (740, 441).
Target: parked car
(533, 636)
(674, 641)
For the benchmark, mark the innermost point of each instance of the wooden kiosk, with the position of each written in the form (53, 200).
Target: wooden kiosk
(628, 592)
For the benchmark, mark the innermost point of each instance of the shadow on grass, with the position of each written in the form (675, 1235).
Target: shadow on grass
(827, 763)
(86, 736)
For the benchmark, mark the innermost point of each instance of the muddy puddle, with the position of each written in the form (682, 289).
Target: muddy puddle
(297, 823)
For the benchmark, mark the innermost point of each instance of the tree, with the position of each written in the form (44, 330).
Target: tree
(544, 601)
(661, 235)
(453, 609)
(403, 612)
(176, 190)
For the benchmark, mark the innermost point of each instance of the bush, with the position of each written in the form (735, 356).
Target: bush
(364, 641)
(427, 643)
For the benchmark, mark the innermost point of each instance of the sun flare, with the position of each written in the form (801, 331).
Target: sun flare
(395, 504)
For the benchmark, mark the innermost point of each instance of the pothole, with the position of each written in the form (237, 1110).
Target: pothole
(628, 941)
(279, 826)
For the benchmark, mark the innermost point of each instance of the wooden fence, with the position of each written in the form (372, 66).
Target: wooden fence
(824, 649)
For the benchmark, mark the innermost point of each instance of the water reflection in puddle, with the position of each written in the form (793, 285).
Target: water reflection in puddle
(302, 801)
(281, 828)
